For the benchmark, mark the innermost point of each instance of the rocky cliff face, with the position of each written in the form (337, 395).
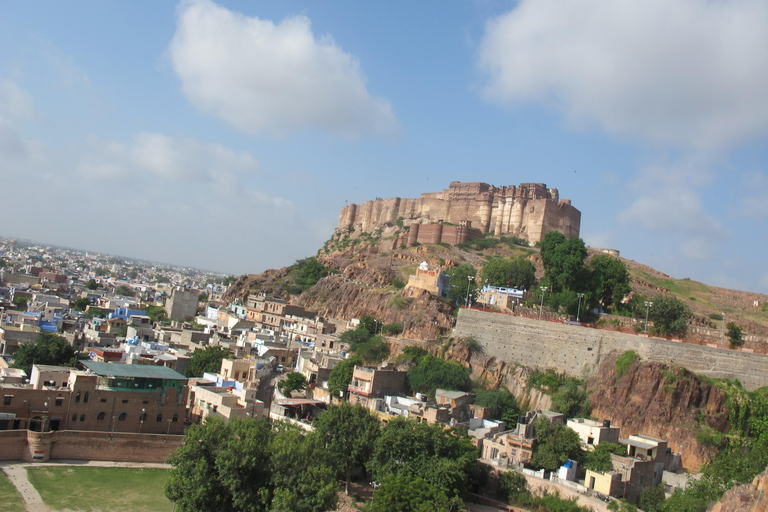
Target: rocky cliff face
(495, 373)
(338, 297)
(656, 400)
(745, 498)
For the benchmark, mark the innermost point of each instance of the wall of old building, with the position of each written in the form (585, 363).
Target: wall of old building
(530, 210)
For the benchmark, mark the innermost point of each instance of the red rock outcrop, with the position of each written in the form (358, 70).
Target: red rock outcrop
(656, 400)
(745, 498)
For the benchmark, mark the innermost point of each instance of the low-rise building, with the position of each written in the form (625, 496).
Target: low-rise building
(592, 433)
(642, 467)
(368, 383)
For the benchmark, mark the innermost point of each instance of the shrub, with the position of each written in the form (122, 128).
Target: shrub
(393, 328)
(624, 362)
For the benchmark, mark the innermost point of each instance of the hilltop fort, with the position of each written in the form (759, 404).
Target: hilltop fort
(465, 211)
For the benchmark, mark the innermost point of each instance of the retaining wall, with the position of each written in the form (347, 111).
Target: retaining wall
(85, 445)
(577, 350)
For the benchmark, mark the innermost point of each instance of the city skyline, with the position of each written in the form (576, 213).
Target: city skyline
(229, 135)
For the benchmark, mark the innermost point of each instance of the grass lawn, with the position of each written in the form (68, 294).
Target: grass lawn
(92, 489)
(10, 499)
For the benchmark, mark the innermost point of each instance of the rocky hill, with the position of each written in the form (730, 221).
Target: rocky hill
(660, 401)
(745, 498)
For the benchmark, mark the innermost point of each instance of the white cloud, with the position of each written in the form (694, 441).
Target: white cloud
(264, 77)
(689, 72)
(166, 157)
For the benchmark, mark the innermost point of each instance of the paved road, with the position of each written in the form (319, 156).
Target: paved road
(17, 474)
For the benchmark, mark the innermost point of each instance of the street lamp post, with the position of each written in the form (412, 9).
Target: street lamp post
(376, 328)
(469, 281)
(541, 306)
(648, 305)
(141, 419)
(578, 311)
(167, 432)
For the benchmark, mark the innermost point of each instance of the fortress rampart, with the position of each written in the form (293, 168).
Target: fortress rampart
(577, 351)
(529, 211)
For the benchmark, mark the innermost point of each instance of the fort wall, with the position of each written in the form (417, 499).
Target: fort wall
(83, 445)
(529, 211)
(577, 351)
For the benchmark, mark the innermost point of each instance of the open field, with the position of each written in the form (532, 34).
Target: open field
(10, 499)
(95, 489)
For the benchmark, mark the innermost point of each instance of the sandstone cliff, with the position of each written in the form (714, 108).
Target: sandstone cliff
(745, 498)
(656, 400)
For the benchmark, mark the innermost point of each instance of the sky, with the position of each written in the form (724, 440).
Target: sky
(228, 135)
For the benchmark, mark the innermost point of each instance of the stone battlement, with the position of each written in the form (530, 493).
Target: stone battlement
(529, 211)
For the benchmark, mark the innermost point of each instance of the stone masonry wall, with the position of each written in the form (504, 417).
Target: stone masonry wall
(577, 350)
(82, 445)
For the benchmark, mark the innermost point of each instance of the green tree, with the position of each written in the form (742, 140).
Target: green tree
(563, 259)
(432, 373)
(599, 459)
(305, 274)
(156, 313)
(556, 444)
(202, 297)
(405, 493)
(652, 498)
(341, 376)
(20, 303)
(302, 479)
(124, 290)
(229, 280)
(82, 304)
(373, 351)
(669, 316)
(512, 486)
(392, 329)
(294, 381)
(370, 324)
(348, 434)
(91, 284)
(501, 402)
(445, 458)
(355, 336)
(459, 281)
(571, 399)
(734, 334)
(207, 360)
(515, 272)
(222, 467)
(609, 280)
(49, 349)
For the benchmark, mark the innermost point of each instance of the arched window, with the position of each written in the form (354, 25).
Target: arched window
(122, 416)
(101, 416)
(82, 417)
(159, 418)
(85, 398)
(74, 417)
(77, 397)
(175, 418)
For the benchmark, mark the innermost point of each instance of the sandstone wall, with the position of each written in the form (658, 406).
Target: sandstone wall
(529, 210)
(83, 445)
(578, 350)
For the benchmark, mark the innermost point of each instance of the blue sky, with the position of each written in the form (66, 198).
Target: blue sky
(228, 135)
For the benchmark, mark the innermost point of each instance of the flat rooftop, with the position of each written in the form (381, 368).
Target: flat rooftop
(133, 371)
